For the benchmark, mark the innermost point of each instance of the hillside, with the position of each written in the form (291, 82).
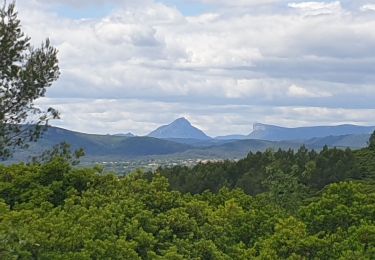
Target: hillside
(101, 145)
(277, 133)
(113, 147)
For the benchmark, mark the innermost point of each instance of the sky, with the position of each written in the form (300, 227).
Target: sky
(131, 66)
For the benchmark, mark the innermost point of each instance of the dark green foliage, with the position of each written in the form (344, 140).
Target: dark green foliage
(53, 211)
(305, 208)
(366, 159)
(371, 143)
(257, 171)
(366, 163)
(62, 150)
(25, 73)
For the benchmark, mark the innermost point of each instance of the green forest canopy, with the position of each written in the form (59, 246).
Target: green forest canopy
(272, 205)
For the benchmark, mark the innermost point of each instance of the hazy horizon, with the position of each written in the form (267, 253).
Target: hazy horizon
(213, 136)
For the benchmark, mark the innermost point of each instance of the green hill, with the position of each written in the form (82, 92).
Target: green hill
(114, 147)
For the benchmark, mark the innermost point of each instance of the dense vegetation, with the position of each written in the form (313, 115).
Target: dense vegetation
(257, 171)
(299, 205)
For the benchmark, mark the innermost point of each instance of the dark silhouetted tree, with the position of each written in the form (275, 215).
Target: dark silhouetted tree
(25, 74)
(371, 143)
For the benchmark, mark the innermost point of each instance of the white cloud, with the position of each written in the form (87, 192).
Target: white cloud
(300, 92)
(121, 116)
(149, 52)
(318, 8)
(82, 3)
(240, 2)
(368, 7)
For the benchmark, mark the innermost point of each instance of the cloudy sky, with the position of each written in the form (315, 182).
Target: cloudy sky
(223, 64)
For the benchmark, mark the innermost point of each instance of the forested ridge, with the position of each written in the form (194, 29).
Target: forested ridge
(255, 173)
(271, 205)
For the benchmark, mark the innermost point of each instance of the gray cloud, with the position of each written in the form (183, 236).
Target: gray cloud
(309, 57)
(116, 116)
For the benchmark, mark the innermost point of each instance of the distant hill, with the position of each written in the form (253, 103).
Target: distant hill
(240, 148)
(101, 148)
(125, 135)
(277, 133)
(232, 137)
(101, 145)
(342, 141)
(144, 146)
(179, 129)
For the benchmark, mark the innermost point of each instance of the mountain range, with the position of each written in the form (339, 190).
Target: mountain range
(277, 133)
(181, 139)
(182, 129)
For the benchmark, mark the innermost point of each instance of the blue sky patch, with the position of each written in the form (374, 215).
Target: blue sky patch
(88, 12)
(187, 8)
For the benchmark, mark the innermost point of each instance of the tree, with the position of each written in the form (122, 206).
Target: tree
(285, 189)
(62, 150)
(25, 74)
(371, 143)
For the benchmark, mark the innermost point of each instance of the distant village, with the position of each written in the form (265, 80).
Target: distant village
(126, 167)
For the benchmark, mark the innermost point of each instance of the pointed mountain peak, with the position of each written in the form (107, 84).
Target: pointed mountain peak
(181, 120)
(180, 128)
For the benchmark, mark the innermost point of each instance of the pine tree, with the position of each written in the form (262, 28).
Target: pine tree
(371, 142)
(25, 73)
